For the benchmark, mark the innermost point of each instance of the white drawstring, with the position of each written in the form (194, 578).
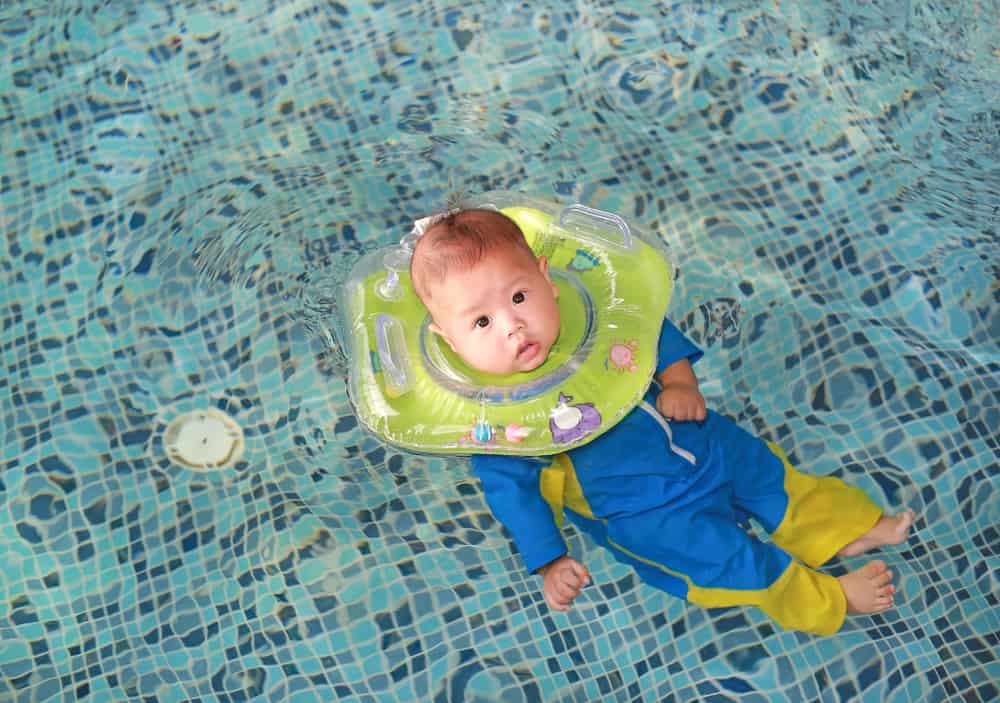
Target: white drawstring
(655, 414)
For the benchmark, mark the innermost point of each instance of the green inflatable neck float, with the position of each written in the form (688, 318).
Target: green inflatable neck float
(411, 390)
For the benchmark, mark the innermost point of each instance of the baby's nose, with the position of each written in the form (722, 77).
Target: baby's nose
(514, 325)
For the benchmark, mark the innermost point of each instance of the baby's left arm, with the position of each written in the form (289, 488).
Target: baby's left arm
(680, 398)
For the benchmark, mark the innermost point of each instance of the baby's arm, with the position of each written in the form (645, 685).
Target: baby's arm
(562, 580)
(680, 398)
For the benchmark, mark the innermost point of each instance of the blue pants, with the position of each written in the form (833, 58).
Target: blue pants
(693, 545)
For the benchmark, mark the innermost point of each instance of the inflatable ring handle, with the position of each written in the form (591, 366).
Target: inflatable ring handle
(391, 345)
(585, 220)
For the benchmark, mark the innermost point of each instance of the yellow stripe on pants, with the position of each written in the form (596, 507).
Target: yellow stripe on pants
(824, 514)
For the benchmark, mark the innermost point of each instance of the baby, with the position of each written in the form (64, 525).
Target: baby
(667, 487)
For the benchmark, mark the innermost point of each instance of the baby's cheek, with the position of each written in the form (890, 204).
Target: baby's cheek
(494, 356)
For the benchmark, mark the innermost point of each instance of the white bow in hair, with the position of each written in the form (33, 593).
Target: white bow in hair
(424, 223)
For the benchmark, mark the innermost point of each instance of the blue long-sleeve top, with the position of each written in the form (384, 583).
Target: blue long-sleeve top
(512, 483)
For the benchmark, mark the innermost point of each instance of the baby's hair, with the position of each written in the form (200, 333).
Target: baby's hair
(461, 240)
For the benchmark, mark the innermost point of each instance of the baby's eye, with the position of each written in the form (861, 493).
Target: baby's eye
(518, 298)
(482, 321)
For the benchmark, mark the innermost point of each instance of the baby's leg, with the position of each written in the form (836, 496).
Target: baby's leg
(868, 589)
(887, 531)
(824, 516)
(700, 553)
(810, 517)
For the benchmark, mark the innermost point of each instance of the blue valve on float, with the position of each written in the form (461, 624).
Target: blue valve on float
(482, 431)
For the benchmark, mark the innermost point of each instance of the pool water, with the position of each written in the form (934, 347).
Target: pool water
(184, 185)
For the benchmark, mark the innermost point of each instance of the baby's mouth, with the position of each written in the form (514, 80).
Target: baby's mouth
(527, 351)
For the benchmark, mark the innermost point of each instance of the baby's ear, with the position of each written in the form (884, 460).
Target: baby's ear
(543, 266)
(440, 332)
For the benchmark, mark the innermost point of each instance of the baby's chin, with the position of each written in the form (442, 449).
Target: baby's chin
(516, 366)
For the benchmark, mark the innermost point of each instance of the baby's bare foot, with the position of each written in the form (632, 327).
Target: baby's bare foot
(868, 589)
(888, 530)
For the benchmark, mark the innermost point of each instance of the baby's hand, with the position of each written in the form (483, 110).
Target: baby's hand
(562, 581)
(681, 402)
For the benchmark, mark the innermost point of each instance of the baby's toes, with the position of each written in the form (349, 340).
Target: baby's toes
(874, 569)
(880, 579)
(886, 591)
(905, 522)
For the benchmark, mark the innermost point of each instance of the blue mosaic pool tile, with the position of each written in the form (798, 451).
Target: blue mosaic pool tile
(185, 184)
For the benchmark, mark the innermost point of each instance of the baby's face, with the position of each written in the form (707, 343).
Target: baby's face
(501, 315)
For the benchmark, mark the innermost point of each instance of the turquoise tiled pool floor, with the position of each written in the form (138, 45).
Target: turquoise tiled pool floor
(183, 185)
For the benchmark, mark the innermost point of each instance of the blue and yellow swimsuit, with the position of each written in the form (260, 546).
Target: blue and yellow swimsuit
(667, 498)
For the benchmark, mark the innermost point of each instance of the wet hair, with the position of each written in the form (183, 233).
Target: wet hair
(460, 241)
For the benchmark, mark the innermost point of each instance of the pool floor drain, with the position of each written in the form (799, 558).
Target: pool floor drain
(205, 440)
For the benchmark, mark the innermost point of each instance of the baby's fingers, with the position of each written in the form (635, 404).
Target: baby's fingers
(700, 411)
(556, 600)
(581, 572)
(567, 591)
(558, 604)
(664, 406)
(693, 409)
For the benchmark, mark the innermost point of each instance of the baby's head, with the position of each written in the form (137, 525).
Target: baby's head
(488, 295)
